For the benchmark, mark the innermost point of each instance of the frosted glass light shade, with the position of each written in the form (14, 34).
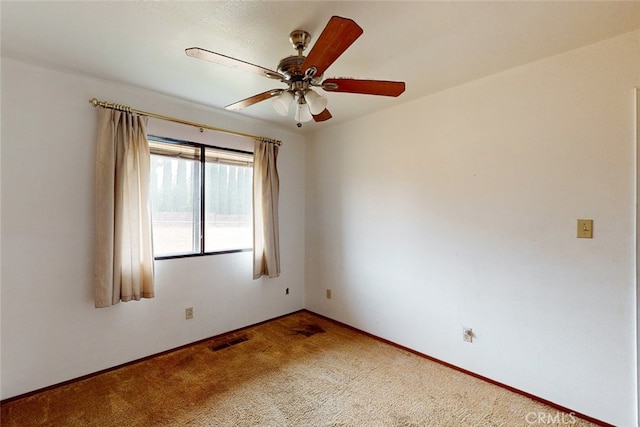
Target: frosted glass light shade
(281, 103)
(316, 103)
(302, 113)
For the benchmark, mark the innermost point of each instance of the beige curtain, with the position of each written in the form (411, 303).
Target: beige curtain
(266, 188)
(124, 247)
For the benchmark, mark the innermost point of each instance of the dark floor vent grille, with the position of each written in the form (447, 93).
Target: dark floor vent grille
(229, 343)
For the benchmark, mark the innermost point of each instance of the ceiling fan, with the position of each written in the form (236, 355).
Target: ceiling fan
(302, 73)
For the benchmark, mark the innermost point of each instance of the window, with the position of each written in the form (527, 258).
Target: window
(196, 216)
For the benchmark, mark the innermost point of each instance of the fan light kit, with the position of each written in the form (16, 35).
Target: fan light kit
(303, 73)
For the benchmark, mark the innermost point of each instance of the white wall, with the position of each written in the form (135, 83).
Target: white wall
(460, 209)
(455, 210)
(637, 254)
(51, 331)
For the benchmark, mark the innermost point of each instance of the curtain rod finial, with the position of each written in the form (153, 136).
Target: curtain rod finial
(94, 102)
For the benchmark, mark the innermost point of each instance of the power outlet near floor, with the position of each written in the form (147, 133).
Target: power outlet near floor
(467, 334)
(188, 313)
(328, 293)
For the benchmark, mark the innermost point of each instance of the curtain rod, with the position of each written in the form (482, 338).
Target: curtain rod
(124, 108)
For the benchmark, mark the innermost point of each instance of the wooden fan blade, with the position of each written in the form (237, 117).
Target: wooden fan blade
(368, 87)
(325, 115)
(254, 99)
(336, 37)
(218, 58)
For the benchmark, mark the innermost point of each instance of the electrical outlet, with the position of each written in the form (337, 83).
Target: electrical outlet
(286, 291)
(328, 293)
(188, 313)
(467, 334)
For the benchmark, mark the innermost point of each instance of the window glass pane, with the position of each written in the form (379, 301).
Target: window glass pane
(177, 188)
(175, 193)
(228, 203)
(219, 155)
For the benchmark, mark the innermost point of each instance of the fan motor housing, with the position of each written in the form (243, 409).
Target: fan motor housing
(290, 66)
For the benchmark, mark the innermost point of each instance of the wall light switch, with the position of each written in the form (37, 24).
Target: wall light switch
(585, 229)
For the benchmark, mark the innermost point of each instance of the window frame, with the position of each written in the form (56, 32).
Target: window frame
(202, 163)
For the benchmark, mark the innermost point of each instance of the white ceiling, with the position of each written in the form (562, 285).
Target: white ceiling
(427, 44)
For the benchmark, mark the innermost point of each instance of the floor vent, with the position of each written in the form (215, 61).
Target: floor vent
(229, 343)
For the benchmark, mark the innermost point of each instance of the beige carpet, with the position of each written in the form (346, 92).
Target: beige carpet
(300, 370)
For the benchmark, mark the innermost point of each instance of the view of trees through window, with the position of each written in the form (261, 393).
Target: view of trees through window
(228, 213)
(195, 216)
